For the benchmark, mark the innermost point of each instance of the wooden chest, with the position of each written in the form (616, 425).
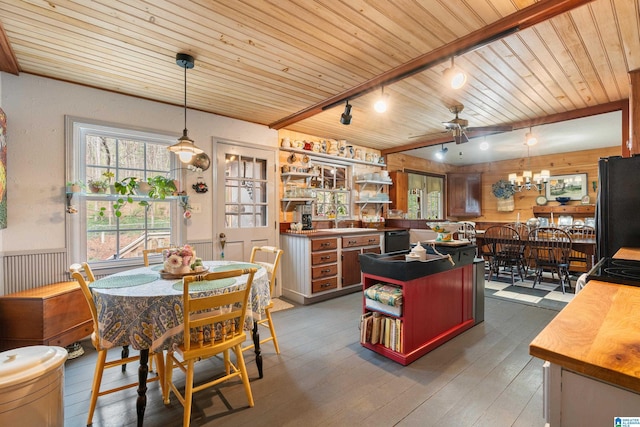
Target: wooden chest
(55, 314)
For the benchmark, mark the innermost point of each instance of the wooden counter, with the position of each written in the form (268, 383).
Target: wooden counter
(592, 354)
(597, 334)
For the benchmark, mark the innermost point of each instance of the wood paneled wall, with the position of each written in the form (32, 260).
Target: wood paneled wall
(558, 164)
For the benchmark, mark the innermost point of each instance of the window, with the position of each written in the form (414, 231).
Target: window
(107, 152)
(245, 191)
(332, 191)
(426, 196)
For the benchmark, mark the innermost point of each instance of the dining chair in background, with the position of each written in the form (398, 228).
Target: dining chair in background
(505, 250)
(269, 258)
(578, 260)
(147, 252)
(76, 271)
(550, 248)
(213, 324)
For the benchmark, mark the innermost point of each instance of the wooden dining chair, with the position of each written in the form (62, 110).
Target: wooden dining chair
(213, 324)
(550, 248)
(505, 250)
(578, 260)
(271, 265)
(147, 252)
(77, 271)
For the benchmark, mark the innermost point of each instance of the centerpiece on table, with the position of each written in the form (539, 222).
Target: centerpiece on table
(178, 261)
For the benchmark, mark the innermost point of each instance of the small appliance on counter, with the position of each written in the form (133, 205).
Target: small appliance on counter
(306, 215)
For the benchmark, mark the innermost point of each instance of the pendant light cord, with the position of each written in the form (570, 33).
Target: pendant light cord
(185, 97)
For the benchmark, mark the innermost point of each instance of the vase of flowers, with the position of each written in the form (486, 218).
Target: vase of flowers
(504, 191)
(178, 260)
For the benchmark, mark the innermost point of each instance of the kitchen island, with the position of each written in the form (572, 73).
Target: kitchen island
(432, 301)
(592, 354)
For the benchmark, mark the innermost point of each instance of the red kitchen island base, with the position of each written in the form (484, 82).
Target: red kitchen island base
(435, 308)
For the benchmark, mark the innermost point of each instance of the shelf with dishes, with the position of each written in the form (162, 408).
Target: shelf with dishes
(333, 156)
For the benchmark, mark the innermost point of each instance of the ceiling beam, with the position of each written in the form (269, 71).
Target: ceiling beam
(524, 18)
(8, 60)
(553, 118)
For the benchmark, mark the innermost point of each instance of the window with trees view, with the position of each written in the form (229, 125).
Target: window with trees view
(100, 156)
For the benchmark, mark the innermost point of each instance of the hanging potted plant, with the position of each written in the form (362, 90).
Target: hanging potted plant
(504, 191)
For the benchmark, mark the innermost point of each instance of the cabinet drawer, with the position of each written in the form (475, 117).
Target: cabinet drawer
(324, 271)
(324, 258)
(324, 244)
(324, 284)
(353, 241)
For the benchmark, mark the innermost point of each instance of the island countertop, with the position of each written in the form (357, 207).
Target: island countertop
(597, 334)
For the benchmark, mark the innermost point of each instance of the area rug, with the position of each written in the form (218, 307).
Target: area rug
(279, 305)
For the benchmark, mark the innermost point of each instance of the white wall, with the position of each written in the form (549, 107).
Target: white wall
(36, 108)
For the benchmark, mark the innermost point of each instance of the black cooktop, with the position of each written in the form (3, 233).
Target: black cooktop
(622, 271)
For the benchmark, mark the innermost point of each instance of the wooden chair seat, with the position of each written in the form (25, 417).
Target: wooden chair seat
(101, 361)
(212, 325)
(272, 271)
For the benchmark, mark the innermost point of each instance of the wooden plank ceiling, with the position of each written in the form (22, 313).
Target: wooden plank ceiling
(266, 61)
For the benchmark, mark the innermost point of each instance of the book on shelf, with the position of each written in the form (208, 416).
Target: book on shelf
(375, 333)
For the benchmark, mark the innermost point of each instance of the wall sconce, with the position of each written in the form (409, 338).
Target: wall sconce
(455, 76)
(345, 118)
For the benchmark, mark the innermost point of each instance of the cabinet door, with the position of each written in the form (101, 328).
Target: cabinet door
(464, 194)
(399, 190)
(350, 267)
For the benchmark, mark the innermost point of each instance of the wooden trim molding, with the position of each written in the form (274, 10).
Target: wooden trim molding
(8, 60)
(633, 116)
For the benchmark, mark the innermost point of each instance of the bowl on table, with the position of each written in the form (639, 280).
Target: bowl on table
(563, 200)
(445, 230)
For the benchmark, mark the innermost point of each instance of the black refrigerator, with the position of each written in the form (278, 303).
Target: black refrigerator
(618, 205)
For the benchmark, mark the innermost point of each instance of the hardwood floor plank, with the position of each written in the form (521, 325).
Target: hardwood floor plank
(323, 376)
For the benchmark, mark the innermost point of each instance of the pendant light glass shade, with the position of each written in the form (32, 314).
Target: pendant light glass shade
(455, 76)
(185, 148)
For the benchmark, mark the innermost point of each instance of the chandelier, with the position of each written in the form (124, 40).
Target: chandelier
(528, 180)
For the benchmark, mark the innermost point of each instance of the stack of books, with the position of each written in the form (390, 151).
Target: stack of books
(377, 328)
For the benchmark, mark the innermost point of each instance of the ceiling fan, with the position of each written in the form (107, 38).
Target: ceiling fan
(459, 127)
(460, 130)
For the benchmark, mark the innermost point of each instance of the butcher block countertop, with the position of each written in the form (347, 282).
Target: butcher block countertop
(598, 333)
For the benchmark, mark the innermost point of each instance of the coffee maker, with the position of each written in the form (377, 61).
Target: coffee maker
(305, 214)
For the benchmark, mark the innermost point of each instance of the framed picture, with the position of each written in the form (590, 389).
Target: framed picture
(573, 186)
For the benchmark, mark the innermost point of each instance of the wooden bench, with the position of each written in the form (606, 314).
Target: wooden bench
(55, 314)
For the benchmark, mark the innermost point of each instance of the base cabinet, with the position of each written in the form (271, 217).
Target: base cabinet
(435, 308)
(572, 399)
(318, 268)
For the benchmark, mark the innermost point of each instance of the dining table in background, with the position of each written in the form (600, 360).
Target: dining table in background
(139, 308)
(586, 246)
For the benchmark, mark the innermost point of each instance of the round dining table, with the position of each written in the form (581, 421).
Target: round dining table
(142, 309)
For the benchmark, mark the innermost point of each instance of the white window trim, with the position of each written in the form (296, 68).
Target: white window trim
(76, 228)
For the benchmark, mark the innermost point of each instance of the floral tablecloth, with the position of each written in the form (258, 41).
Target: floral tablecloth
(139, 308)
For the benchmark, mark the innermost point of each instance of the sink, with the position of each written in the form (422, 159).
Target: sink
(348, 229)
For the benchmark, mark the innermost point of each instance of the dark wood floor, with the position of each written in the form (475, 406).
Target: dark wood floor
(323, 376)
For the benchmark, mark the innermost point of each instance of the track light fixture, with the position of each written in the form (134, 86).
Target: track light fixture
(185, 148)
(442, 152)
(381, 104)
(345, 118)
(530, 139)
(455, 76)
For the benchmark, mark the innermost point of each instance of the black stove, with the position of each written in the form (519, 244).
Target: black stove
(613, 270)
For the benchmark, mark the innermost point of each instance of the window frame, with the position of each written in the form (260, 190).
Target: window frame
(76, 231)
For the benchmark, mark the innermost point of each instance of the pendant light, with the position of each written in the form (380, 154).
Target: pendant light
(381, 104)
(185, 148)
(454, 76)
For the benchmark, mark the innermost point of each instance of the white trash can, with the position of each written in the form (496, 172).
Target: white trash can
(32, 386)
